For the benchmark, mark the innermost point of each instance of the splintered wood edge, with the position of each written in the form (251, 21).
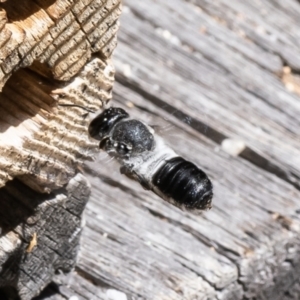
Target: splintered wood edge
(41, 142)
(50, 55)
(63, 35)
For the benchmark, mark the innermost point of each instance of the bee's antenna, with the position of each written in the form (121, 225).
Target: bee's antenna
(79, 106)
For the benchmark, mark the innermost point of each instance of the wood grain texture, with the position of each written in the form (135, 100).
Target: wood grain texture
(53, 54)
(212, 76)
(45, 235)
(61, 34)
(41, 143)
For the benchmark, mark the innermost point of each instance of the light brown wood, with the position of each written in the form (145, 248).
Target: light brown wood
(51, 53)
(41, 142)
(40, 235)
(56, 40)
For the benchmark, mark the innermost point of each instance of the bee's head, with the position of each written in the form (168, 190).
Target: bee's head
(105, 121)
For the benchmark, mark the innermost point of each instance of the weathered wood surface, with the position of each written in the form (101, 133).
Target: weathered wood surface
(247, 245)
(51, 53)
(56, 40)
(218, 78)
(43, 143)
(33, 251)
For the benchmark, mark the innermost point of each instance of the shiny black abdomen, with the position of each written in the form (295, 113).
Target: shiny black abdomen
(185, 183)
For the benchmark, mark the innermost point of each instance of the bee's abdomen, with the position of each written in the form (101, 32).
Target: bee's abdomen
(185, 183)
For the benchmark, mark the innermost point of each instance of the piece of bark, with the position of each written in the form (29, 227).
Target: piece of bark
(52, 54)
(43, 237)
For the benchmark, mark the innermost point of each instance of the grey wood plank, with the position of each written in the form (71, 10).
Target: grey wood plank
(257, 109)
(138, 244)
(202, 79)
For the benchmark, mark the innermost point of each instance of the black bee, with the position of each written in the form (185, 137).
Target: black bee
(145, 157)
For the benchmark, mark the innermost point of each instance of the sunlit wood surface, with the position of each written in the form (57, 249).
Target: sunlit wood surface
(220, 78)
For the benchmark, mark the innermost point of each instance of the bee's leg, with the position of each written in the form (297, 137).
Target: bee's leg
(143, 183)
(125, 170)
(134, 176)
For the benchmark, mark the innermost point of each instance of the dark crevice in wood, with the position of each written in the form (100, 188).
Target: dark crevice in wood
(201, 127)
(16, 12)
(265, 164)
(50, 290)
(43, 70)
(18, 203)
(214, 135)
(11, 269)
(11, 116)
(15, 98)
(241, 283)
(252, 235)
(9, 293)
(197, 273)
(293, 70)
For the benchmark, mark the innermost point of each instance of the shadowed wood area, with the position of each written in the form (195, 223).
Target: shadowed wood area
(220, 78)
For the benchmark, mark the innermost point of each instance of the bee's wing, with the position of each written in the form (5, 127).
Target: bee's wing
(161, 130)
